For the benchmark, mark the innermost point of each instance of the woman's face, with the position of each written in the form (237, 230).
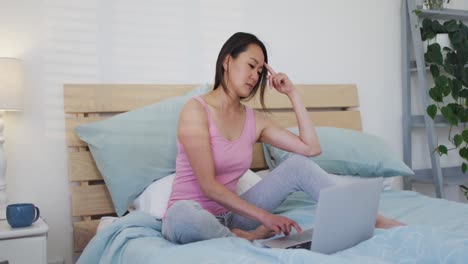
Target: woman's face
(244, 72)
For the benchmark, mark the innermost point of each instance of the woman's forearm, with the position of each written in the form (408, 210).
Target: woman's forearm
(307, 132)
(231, 201)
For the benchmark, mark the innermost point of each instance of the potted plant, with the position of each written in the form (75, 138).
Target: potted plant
(433, 32)
(434, 4)
(439, 37)
(449, 69)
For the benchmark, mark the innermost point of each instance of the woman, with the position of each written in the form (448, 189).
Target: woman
(216, 135)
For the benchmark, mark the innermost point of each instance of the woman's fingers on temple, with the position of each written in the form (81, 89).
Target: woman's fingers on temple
(270, 69)
(273, 80)
(281, 78)
(277, 83)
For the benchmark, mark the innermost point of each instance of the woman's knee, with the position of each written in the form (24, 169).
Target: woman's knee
(179, 209)
(182, 212)
(299, 162)
(299, 158)
(180, 217)
(303, 166)
(187, 221)
(184, 206)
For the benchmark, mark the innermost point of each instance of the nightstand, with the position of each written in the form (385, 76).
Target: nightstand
(23, 245)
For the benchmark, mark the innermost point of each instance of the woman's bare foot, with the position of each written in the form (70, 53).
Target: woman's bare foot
(262, 232)
(243, 234)
(259, 233)
(387, 223)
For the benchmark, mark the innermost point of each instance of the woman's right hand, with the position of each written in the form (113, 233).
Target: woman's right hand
(280, 224)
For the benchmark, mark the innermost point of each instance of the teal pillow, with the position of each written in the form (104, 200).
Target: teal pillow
(135, 148)
(347, 152)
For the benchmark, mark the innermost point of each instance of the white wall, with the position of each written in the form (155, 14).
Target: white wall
(335, 41)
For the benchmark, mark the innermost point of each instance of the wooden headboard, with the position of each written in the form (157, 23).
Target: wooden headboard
(328, 105)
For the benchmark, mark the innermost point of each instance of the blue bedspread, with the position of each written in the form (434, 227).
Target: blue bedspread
(437, 232)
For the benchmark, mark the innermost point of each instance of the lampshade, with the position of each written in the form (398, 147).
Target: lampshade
(11, 84)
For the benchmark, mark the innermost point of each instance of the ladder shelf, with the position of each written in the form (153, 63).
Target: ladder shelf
(412, 42)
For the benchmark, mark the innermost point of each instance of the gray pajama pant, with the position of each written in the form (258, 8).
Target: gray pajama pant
(186, 221)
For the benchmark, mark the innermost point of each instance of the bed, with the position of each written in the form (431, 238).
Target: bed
(436, 231)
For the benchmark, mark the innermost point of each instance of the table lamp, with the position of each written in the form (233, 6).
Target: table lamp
(11, 99)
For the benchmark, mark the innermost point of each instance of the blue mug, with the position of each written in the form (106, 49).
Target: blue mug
(22, 214)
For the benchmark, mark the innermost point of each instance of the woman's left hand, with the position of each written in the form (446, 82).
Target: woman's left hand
(279, 81)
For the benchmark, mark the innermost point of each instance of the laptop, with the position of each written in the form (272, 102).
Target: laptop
(345, 216)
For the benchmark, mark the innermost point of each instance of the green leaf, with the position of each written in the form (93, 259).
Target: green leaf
(464, 29)
(436, 94)
(437, 27)
(464, 167)
(417, 12)
(430, 35)
(455, 108)
(451, 25)
(456, 38)
(456, 88)
(463, 152)
(435, 70)
(443, 85)
(464, 93)
(462, 52)
(451, 58)
(432, 111)
(442, 150)
(449, 68)
(449, 115)
(448, 87)
(458, 139)
(465, 135)
(459, 74)
(427, 24)
(434, 54)
(465, 77)
(460, 112)
(441, 82)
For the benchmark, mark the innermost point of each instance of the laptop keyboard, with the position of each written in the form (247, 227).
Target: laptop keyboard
(305, 245)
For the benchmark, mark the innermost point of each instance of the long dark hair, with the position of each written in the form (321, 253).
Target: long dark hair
(235, 45)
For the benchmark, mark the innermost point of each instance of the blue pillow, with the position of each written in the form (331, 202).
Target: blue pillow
(135, 148)
(347, 152)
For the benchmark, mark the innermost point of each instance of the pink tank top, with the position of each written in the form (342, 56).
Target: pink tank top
(231, 160)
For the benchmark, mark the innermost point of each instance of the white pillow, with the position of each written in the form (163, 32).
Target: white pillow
(154, 198)
(247, 181)
(105, 221)
(343, 179)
